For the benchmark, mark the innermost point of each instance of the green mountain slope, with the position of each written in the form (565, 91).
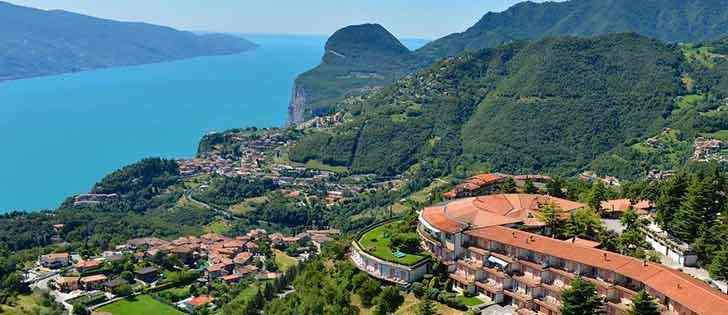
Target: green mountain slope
(37, 42)
(548, 106)
(357, 59)
(689, 21)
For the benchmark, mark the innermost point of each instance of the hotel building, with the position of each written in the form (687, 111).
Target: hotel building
(492, 248)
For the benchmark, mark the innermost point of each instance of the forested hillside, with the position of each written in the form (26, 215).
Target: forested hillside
(38, 42)
(676, 21)
(357, 58)
(690, 21)
(549, 106)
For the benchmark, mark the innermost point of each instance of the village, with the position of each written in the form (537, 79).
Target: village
(189, 273)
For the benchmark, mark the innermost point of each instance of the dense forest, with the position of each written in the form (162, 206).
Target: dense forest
(548, 106)
(673, 21)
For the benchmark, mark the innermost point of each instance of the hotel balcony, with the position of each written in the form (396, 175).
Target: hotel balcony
(462, 278)
(566, 274)
(555, 288)
(549, 304)
(531, 264)
(496, 272)
(619, 308)
(427, 236)
(521, 296)
(528, 280)
(492, 287)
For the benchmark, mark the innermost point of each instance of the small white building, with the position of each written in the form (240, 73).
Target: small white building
(671, 247)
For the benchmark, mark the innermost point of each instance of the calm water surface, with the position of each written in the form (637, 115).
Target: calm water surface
(60, 134)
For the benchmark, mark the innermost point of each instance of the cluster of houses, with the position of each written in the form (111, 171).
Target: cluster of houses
(488, 183)
(216, 257)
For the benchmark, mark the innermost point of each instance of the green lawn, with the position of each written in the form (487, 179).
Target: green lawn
(142, 304)
(376, 243)
(470, 301)
(318, 165)
(284, 261)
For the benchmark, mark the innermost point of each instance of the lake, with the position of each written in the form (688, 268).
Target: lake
(63, 133)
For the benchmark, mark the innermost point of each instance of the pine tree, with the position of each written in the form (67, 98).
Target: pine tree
(508, 186)
(529, 187)
(426, 307)
(643, 304)
(670, 198)
(719, 265)
(693, 213)
(581, 299)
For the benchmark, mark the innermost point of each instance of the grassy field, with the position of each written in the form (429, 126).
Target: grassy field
(247, 205)
(318, 165)
(142, 304)
(26, 304)
(376, 243)
(219, 227)
(284, 261)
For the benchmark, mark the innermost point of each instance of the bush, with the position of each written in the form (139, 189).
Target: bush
(418, 289)
(406, 242)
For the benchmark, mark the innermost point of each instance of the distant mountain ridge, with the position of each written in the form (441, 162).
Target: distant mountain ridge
(36, 42)
(560, 105)
(668, 20)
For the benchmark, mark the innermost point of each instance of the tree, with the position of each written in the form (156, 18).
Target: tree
(529, 187)
(268, 291)
(597, 195)
(358, 280)
(80, 309)
(670, 197)
(123, 290)
(426, 307)
(643, 304)
(718, 267)
(581, 299)
(549, 215)
(389, 300)
(584, 223)
(128, 276)
(694, 211)
(629, 219)
(508, 185)
(554, 188)
(368, 291)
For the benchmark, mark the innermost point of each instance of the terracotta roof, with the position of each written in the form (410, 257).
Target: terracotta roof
(492, 210)
(622, 205)
(87, 264)
(94, 278)
(583, 242)
(200, 300)
(690, 292)
(229, 278)
(242, 258)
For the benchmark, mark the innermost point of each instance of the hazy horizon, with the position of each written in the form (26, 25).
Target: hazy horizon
(426, 20)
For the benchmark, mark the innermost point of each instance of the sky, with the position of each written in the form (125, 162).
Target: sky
(405, 18)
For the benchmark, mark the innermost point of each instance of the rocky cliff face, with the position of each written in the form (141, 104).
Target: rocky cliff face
(297, 105)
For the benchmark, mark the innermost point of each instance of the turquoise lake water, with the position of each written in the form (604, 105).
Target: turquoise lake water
(61, 134)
